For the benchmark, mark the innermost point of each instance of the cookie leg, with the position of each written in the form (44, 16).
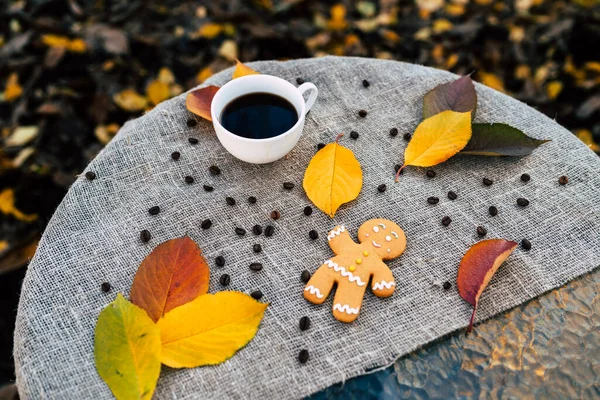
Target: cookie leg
(348, 301)
(320, 284)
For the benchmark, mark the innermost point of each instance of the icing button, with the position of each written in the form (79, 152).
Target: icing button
(366, 253)
(352, 268)
(359, 260)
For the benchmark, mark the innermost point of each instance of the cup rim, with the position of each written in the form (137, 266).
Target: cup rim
(216, 121)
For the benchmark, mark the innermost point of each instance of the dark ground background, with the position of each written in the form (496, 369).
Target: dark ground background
(73, 71)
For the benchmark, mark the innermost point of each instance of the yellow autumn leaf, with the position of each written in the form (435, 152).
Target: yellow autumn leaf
(553, 89)
(12, 90)
(210, 30)
(491, 80)
(209, 329)
(438, 138)
(338, 18)
(127, 350)
(242, 70)
(130, 100)
(204, 74)
(157, 91)
(333, 177)
(7, 206)
(73, 45)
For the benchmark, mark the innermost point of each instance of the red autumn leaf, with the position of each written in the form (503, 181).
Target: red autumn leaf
(478, 266)
(198, 101)
(174, 274)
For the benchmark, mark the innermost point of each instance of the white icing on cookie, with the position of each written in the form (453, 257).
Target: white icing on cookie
(375, 244)
(388, 238)
(382, 225)
(336, 232)
(351, 277)
(389, 251)
(383, 284)
(345, 308)
(395, 234)
(314, 290)
(367, 235)
(375, 229)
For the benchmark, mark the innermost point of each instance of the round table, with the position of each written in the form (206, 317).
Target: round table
(545, 348)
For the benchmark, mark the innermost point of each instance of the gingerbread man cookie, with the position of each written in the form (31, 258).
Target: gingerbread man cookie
(355, 264)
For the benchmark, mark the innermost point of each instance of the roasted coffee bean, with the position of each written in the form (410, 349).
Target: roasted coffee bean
(381, 188)
(522, 202)
(394, 132)
(220, 261)
(305, 276)
(269, 230)
(105, 287)
(314, 235)
(303, 356)
(526, 244)
(299, 81)
(308, 210)
(145, 236)
(452, 195)
(304, 323)
(189, 180)
(446, 221)
(275, 215)
(90, 175)
(256, 295)
(193, 140)
(240, 231)
(354, 135)
(256, 266)
(320, 146)
(433, 200)
(208, 188)
(407, 136)
(207, 223)
(154, 210)
(362, 113)
(447, 285)
(225, 279)
(257, 248)
(230, 201)
(430, 173)
(493, 211)
(191, 123)
(214, 170)
(481, 231)
(487, 182)
(257, 229)
(175, 155)
(525, 177)
(563, 180)
(252, 200)
(288, 185)
(397, 167)
(366, 83)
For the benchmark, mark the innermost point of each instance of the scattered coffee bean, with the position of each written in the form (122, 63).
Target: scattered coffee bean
(397, 167)
(446, 221)
(563, 180)
(275, 215)
(269, 230)
(452, 195)
(189, 180)
(207, 223)
(320, 146)
(214, 170)
(105, 287)
(256, 266)
(145, 236)
(193, 140)
(252, 200)
(90, 175)
(299, 81)
(175, 155)
(225, 279)
(303, 356)
(525, 177)
(220, 261)
(487, 182)
(305, 276)
(288, 185)
(447, 285)
(381, 188)
(257, 229)
(522, 202)
(230, 201)
(366, 83)
(407, 136)
(362, 113)
(256, 295)
(314, 235)
(308, 210)
(240, 231)
(433, 200)
(257, 248)
(526, 244)
(493, 211)
(191, 123)
(354, 135)
(430, 173)
(304, 323)
(154, 210)
(208, 188)
(394, 132)
(481, 231)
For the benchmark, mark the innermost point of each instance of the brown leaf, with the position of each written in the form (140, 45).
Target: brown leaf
(459, 96)
(198, 101)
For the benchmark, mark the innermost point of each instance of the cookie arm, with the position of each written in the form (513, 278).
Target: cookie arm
(339, 240)
(382, 283)
(320, 284)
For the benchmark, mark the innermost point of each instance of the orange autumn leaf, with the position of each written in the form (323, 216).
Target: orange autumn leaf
(174, 274)
(478, 266)
(242, 70)
(12, 90)
(198, 101)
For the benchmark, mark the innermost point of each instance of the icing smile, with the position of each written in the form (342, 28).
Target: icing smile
(375, 244)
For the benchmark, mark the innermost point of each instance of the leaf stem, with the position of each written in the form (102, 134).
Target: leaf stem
(338, 137)
(470, 328)
(399, 172)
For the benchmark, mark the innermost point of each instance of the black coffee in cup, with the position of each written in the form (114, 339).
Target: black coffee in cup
(259, 115)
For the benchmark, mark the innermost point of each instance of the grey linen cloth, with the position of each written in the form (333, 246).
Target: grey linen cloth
(94, 235)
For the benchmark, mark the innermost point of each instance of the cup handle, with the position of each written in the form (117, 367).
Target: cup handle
(312, 97)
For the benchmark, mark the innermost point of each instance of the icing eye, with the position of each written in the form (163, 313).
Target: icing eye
(367, 235)
(382, 225)
(375, 229)
(388, 239)
(389, 251)
(395, 234)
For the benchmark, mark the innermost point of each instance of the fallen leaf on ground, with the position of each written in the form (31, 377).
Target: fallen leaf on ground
(130, 100)
(157, 91)
(210, 30)
(586, 137)
(478, 266)
(173, 274)
(73, 45)
(22, 135)
(242, 70)
(12, 89)
(500, 140)
(7, 206)
(198, 101)
(127, 350)
(338, 18)
(228, 50)
(459, 96)
(209, 330)
(333, 177)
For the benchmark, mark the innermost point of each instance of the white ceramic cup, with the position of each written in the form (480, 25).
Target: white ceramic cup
(261, 151)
